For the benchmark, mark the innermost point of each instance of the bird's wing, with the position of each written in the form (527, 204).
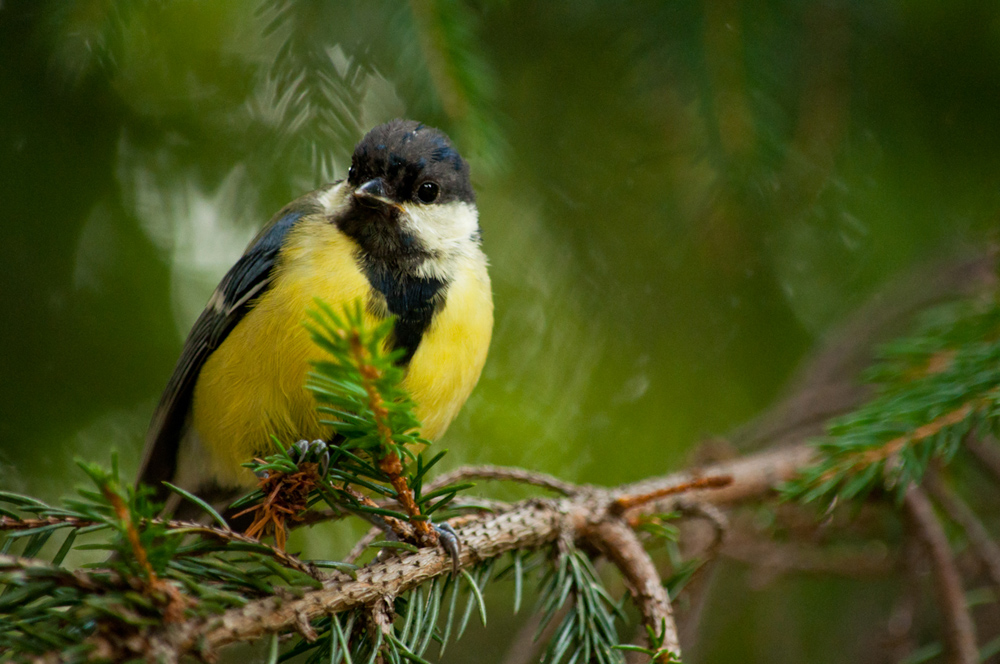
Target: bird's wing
(233, 298)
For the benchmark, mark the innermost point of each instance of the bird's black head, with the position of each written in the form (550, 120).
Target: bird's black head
(403, 161)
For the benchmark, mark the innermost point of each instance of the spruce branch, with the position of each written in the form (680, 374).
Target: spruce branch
(933, 388)
(529, 525)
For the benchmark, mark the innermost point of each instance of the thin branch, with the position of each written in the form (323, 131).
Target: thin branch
(283, 557)
(960, 632)
(697, 587)
(504, 474)
(979, 538)
(753, 476)
(628, 502)
(314, 516)
(14, 523)
(362, 544)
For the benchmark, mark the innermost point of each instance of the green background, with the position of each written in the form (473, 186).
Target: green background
(678, 199)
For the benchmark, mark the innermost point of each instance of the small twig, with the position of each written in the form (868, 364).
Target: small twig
(625, 503)
(280, 555)
(613, 538)
(979, 538)
(715, 517)
(860, 460)
(382, 615)
(362, 544)
(504, 474)
(697, 587)
(313, 516)
(12, 523)
(138, 550)
(960, 632)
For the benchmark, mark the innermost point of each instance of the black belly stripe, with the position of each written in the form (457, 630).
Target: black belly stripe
(413, 300)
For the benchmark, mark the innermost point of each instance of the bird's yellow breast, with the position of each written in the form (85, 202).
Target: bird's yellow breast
(252, 385)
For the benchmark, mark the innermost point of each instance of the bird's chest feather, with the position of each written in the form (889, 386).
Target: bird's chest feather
(252, 386)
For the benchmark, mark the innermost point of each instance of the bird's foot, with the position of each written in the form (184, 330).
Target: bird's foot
(316, 450)
(448, 539)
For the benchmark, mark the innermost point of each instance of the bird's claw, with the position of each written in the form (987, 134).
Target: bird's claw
(309, 449)
(448, 539)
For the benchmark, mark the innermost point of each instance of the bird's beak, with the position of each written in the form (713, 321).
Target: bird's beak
(372, 193)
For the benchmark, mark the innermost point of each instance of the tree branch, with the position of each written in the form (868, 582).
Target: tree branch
(613, 538)
(527, 525)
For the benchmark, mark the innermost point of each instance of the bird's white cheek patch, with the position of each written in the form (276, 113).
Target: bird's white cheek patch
(443, 229)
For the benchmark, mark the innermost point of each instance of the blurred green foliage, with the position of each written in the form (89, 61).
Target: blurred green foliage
(678, 198)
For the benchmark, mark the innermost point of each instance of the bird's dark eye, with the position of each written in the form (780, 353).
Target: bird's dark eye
(350, 174)
(428, 192)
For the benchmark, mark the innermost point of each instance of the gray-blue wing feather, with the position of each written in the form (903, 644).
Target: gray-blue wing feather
(235, 295)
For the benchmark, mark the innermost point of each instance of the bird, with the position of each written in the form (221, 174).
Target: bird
(401, 235)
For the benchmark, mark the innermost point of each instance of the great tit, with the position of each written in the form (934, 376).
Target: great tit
(400, 234)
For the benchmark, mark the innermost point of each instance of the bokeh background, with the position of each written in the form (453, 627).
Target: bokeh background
(679, 198)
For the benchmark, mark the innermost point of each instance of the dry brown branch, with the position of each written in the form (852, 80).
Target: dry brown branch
(960, 632)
